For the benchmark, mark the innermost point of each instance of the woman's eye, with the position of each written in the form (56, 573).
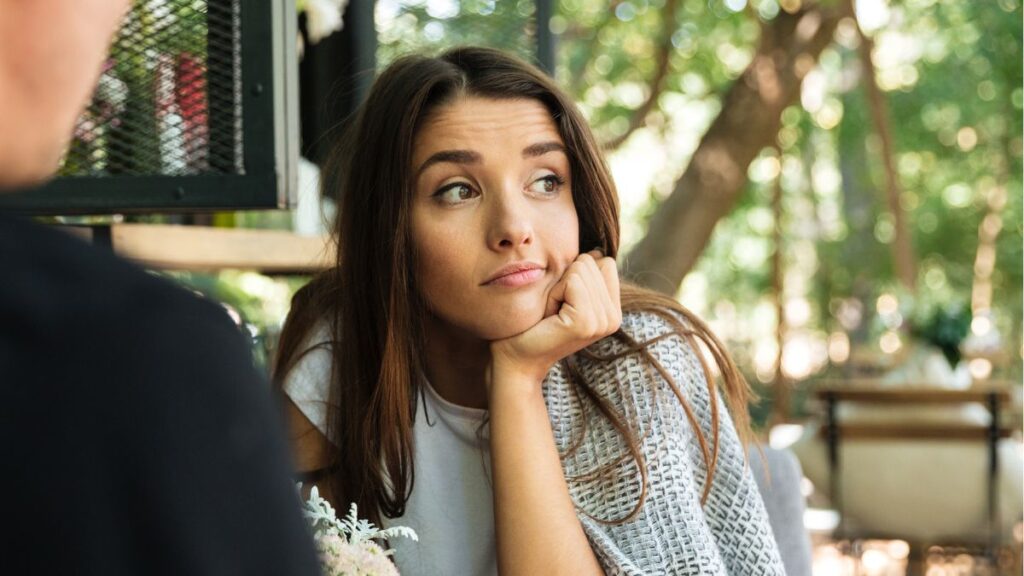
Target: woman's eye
(455, 193)
(548, 185)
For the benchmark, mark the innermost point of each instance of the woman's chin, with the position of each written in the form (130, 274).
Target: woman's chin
(512, 323)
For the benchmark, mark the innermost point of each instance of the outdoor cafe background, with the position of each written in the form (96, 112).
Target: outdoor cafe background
(864, 225)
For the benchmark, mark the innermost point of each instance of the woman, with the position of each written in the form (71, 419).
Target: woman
(464, 370)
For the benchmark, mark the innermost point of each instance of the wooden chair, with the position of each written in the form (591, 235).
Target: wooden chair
(993, 396)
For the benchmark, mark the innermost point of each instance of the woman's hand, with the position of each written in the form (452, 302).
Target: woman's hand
(582, 308)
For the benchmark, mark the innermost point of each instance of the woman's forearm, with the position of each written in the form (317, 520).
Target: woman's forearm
(535, 520)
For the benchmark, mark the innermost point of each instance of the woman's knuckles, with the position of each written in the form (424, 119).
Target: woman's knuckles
(586, 302)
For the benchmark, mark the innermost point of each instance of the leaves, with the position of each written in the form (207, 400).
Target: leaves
(352, 529)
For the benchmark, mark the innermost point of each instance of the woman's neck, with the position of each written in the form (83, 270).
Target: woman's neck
(456, 364)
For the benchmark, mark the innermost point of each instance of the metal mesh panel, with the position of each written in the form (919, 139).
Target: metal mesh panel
(429, 26)
(169, 99)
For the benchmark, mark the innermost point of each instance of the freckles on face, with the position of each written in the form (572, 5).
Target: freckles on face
(492, 189)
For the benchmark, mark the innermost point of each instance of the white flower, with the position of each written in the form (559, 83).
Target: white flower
(346, 546)
(323, 18)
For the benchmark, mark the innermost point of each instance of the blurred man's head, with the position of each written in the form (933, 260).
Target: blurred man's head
(51, 53)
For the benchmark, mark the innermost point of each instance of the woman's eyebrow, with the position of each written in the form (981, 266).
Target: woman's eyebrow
(543, 148)
(471, 157)
(453, 156)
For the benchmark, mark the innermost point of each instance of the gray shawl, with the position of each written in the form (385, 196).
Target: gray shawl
(673, 533)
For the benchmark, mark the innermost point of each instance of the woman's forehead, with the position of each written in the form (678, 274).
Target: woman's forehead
(472, 120)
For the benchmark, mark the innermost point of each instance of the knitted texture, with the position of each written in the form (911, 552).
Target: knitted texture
(673, 533)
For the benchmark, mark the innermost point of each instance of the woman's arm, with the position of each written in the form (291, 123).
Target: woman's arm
(535, 519)
(310, 449)
(304, 399)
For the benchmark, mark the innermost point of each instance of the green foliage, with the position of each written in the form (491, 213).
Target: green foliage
(952, 81)
(957, 129)
(944, 327)
(405, 27)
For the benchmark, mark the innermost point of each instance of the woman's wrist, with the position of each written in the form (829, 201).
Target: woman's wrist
(510, 380)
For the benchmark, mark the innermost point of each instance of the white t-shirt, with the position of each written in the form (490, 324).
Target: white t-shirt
(451, 506)
(674, 532)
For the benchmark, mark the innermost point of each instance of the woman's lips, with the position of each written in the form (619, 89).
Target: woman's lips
(518, 279)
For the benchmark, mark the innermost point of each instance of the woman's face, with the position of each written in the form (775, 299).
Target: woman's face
(492, 191)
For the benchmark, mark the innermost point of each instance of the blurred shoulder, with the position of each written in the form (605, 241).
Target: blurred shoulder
(312, 368)
(307, 386)
(60, 289)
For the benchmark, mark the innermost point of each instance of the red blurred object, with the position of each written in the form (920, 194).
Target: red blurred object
(190, 96)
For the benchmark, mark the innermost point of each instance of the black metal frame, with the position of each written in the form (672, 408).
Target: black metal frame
(335, 76)
(269, 101)
(270, 120)
(992, 437)
(545, 39)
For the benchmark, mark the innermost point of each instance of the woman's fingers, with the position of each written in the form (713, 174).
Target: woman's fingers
(606, 280)
(596, 303)
(599, 294)
(577, 301)
(586, 298)
(556, 296)
(610, 274)
(588, 322)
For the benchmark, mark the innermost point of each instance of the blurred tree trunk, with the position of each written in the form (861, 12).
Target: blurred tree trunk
(780, 384)
(988, 232)
(902, 248)
(749, 121)
(985, 258)
(860, 213)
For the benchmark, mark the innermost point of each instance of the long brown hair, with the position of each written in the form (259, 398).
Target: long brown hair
(369, 298)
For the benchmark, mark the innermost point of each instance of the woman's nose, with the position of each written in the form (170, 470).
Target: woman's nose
(510, 225)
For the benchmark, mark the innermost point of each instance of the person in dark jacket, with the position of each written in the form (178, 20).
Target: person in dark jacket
(135, 435)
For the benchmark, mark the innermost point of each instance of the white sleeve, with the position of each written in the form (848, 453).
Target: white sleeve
(308, 384)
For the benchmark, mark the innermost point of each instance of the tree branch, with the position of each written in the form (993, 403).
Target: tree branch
(576, 73)
(657, 83)
(902, 248)
(749, 121)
